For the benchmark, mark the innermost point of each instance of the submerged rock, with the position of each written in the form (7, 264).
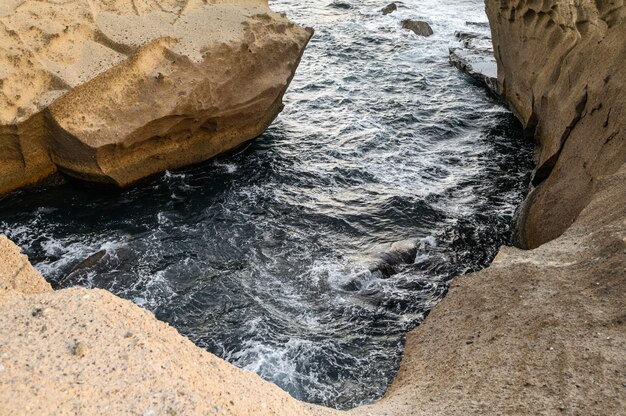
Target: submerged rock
(386, 259)
(88, 263)
(473, 39)
(476, 59)
(419, 27)
(113, 92)
(390, 8)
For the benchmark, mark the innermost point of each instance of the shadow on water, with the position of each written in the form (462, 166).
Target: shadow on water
(259, 256)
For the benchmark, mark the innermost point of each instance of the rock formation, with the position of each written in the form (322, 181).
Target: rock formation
(419, 27)
(538, 332)
(561, 69)
(475, 58)
(114, 91)
(79, 351)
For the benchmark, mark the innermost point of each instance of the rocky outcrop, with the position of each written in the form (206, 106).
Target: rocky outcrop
(114, 91)
(475, 58)
(561, 69)
(79, 351)
(419, 27)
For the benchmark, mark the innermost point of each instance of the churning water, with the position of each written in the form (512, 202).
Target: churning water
(258, 257)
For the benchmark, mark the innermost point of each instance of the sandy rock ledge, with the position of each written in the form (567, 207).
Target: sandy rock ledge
(88, 352)
(113, 91)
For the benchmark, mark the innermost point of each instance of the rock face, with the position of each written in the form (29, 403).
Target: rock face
(419, 27)
(114, 91)
(561, 69)
(475, 58)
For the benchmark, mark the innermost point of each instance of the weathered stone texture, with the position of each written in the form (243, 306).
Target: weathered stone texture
(114, 91)
(561, 69)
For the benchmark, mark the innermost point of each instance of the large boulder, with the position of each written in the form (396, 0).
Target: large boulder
(114, 91)
(561, 69)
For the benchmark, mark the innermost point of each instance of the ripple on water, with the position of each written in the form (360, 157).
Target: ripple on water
(255, 256)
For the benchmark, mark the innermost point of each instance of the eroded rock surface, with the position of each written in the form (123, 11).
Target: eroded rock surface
(390, 8)
(80, 351)
(475, 58)
(114, 91)
(561, 69)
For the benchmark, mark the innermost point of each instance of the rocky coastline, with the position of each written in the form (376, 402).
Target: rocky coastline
(541, 331)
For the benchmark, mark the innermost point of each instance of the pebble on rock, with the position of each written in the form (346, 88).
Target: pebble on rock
(80, 349)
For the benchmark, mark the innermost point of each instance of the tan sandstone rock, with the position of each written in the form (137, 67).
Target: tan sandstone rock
(561, 69)
(16, 272)
(113, 91)
(87, 352)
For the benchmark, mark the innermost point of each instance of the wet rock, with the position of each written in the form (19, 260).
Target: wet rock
(390, 8)
(483, 25)
(475, 58)
(478, 65)
(386, 259)
(89, 262)
(340, 5)
(419, 27)
(109, 93)
(473, 39)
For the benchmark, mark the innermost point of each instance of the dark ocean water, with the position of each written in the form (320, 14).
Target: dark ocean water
(258, 257)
